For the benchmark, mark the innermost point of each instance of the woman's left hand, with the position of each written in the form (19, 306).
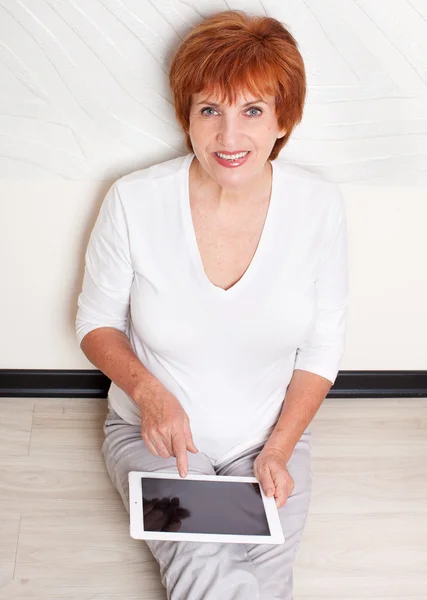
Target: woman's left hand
(271, 472)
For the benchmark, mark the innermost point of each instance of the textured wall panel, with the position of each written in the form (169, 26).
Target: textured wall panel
(84, 92)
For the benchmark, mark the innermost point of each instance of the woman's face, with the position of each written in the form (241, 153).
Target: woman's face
(249, 126)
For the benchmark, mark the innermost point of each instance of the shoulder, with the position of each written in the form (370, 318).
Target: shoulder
(165, 170)
(315, 189)
(146, 190)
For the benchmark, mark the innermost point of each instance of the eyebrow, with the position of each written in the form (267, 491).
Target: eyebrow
(258, 100)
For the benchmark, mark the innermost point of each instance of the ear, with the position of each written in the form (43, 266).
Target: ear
(282, 133)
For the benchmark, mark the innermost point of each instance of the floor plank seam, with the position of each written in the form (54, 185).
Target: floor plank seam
(17, 545)
(31, 430)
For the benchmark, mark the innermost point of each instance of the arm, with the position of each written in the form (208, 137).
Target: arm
(103, 304)
(102, 325)
(304, 396)
(317, 360)
(110, 351)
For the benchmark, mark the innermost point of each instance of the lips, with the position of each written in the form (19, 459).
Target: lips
(231, 163)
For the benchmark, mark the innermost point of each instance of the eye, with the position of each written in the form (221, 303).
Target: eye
(255, 108)
(206, 108)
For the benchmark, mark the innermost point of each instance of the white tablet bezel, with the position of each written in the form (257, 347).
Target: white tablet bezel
(137, 518)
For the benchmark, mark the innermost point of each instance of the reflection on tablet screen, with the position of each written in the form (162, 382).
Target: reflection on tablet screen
(189, 506)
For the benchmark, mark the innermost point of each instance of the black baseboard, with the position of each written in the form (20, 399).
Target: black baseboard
(73, 383)
(53, 383)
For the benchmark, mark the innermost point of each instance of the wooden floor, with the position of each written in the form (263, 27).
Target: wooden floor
(64, 532)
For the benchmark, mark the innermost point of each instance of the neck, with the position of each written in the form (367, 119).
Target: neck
(223, 198)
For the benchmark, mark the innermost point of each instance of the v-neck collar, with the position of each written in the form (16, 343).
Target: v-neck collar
(261, 249)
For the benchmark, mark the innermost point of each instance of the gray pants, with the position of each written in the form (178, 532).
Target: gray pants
(214, 571)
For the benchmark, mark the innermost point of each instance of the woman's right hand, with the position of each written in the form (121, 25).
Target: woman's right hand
(165, 429)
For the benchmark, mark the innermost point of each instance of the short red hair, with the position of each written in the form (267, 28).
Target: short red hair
(231, 52)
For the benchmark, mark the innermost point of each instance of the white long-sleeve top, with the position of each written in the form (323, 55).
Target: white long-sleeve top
(227, 355)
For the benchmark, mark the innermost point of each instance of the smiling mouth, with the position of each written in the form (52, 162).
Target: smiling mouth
(233, 156)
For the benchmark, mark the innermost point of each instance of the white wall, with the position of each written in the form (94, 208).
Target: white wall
(84, 99)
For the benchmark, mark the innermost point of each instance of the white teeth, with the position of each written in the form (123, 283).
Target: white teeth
(231, 156)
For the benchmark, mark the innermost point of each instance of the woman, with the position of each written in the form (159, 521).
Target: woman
(215, 299)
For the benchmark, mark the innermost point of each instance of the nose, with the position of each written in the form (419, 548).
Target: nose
(228, 134)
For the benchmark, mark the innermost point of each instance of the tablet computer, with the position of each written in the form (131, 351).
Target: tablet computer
(202, 508)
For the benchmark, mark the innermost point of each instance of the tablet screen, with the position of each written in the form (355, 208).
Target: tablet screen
(194, 506)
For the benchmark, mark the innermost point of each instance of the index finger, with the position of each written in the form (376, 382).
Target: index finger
(179, 448)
